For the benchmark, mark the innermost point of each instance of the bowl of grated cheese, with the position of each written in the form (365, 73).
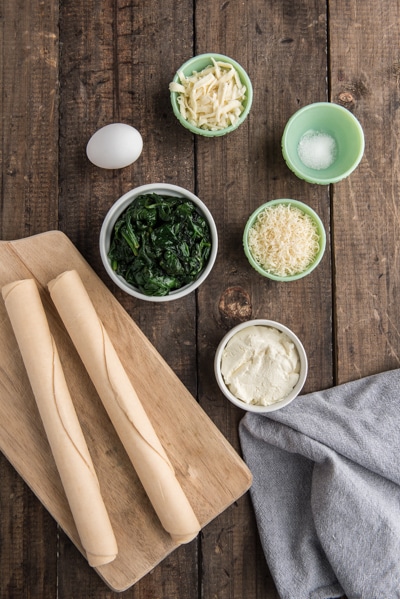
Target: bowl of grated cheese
(284, 240)
(211, 94)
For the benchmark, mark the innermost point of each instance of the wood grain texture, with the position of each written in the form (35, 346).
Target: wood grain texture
(70, 67)
(366, 222)
(29, 71)
(236, 174)
(116, 62)
(29, 152)
(211, 474)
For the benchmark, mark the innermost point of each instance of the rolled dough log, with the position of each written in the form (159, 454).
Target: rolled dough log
(60, 421)
(123, 406)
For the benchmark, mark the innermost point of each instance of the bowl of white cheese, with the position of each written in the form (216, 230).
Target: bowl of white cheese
(284, 240)
(211, 94)
(260, 365)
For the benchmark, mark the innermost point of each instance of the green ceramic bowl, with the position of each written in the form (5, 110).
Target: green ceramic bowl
(323, 143)
(198, 63)
(304, 208)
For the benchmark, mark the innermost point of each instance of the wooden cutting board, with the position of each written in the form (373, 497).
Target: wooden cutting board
(210, 471)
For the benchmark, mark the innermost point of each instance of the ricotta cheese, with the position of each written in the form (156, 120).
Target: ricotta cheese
(260, 365)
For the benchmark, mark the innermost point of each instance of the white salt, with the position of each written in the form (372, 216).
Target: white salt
(317, 150)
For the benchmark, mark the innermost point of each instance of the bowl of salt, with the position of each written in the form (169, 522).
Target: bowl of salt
(323, 143)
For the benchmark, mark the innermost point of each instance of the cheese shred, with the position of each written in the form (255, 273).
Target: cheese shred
(211, 99)
(283, 240)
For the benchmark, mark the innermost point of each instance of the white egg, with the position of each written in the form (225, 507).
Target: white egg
(114, 146)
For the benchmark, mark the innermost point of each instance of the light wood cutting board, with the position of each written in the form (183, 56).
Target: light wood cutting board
(210, 471)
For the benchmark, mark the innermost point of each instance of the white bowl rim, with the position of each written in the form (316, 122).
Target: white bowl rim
(120, 205)
(296, 389)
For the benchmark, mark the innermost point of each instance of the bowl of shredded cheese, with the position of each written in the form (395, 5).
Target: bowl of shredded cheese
(284, 240)
(322, 143)
(211, 94)
(260, 365)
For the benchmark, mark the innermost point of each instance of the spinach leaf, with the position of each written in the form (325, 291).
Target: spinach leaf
(160, 243)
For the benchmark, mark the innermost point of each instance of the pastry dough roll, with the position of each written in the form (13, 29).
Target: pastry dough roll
(123, 406)
(60, 421)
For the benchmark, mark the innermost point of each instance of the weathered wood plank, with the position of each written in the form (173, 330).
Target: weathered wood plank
(117, 61)
(29, 154)
(283, 48)
(366, 223)
(28, 205)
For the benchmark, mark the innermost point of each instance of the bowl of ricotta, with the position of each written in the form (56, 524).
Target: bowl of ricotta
(211, 94)
(260, 365)
(284, 240)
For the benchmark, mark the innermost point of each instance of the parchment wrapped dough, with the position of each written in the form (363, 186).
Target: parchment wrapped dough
(60, 421)
(123, 407)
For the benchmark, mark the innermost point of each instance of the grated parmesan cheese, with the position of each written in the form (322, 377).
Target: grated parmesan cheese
(283, 240)
(211, 99)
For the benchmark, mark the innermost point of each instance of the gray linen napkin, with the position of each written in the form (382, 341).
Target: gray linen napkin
(326, 490)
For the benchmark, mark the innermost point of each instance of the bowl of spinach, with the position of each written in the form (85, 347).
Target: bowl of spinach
(158, 242)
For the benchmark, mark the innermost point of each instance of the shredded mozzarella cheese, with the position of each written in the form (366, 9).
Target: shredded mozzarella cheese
(211, 99)
(283, 240)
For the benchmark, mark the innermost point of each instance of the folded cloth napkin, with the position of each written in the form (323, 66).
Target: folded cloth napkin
(326, 490)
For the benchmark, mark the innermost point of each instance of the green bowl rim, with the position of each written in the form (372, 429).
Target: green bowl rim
(305, 208)
(318, 179)
(244, 77)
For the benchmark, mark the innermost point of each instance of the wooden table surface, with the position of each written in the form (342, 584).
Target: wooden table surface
(71, 67)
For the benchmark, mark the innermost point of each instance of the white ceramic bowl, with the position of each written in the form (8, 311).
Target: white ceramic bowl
(252, 407)
(120, 205)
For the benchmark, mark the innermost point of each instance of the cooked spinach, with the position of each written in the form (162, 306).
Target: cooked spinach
(160, 243)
